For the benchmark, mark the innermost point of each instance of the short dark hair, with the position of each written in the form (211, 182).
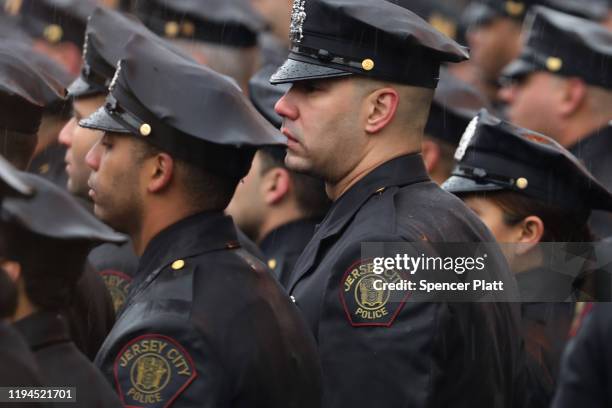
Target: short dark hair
(50, 267)
(18, 148)
(309, 191)
(560, 225)
(207, 190)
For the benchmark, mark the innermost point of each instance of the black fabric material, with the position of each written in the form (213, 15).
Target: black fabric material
(422, 357)
(244, 338)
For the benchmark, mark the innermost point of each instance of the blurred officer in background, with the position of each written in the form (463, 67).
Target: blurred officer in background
(363, 76)
(273, 205)
(45, 240)
(494, 34)
(205, 323)
(454, 105)
(561, 86)
(221, 34)
(529, 190)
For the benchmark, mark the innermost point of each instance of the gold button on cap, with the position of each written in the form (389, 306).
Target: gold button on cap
(522, 183)
(188, 28)
(53, 33)
(367, 64)
(272, 263)
(171, 29)
(179, 264)
(554, 64)
(145, 129)
(515, 8)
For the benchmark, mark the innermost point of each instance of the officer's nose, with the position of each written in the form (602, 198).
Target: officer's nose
(285, 107)
(507, 93)
(93, 156)
(65, 136)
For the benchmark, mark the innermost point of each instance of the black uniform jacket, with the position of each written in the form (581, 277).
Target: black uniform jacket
(62, 364)
(586, 369)
(206, 325)
(283, 246)
(595, 152)
(412, 354)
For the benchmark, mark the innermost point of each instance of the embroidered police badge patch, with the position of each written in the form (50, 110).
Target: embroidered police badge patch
(118, 284)
(152, 371)
(366, 297)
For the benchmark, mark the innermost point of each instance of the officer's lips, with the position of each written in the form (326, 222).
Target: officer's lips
(92, 190)
(291, 140)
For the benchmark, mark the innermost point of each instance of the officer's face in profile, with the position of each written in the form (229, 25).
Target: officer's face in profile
(493, 45)
(79, 141)
(115, 181)
(321, 120)
(533, 102)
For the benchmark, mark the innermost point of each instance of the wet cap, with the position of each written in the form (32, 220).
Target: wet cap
(494, 155)
(454, 105)
(232, 23)
(53, 213)
(53, 74)
(335, 38)
(443, 16)
(54, 21)
(264, 95)
(564, 45)
(483, 11)
(12, 182)
(108, 33)
(192, 112)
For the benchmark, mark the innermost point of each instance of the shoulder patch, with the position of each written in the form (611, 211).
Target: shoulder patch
(118, 284)
(152, 371)
(365, 300)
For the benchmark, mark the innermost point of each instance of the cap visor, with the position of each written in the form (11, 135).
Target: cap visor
(457, 185)
(11, 181)
(80, 88)
(519, 68)
(102, 120)
(294, 71)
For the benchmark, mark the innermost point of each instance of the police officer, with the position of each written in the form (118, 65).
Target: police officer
(363, 76)
(454, 105)
(205, 324)
(221, 34)
(531, 192)
(275, 206)
(60, 233)
(561, 86)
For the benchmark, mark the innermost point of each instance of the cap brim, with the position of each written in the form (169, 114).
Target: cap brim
(519, 68)
(102, 120)
(294, 71)
(80, 88)
(458, 185)
(11, 181)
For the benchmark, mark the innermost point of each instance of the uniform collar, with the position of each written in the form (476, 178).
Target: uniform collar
(597, 142)
(398, 172)
(196, 234)
(290, 231)
(42, 329)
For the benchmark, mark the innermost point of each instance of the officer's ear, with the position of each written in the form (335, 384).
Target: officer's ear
(12, 269)
(431, 154)
(381, 106)
(574, 92)
(276, 184)
(161, 168)
(530, 234)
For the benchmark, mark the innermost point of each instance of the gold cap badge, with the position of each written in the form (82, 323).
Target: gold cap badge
(171, 29)
(272, 263)
(145, 129)
(522, 183)
(554, 64)
(53, 33)
(179, 264)
(515, 8)
(367, 64)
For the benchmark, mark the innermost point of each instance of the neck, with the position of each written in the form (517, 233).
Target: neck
(575, 131)
(276, 219)
(25, 307)
(48, 133)
(156, 221)
(335, 190)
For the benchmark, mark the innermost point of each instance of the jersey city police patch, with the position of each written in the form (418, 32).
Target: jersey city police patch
(152, 371)
(118, 284)
(366, 299)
